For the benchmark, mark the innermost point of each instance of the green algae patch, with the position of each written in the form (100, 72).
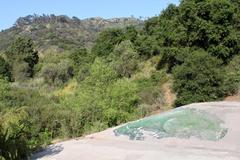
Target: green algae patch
(180, 123)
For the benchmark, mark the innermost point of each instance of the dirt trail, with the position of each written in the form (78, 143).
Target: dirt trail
(234, 98)
(168, 94)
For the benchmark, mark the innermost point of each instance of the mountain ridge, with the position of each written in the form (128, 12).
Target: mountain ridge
(62, 31)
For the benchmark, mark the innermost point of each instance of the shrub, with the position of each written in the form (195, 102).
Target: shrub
(23, 57)
(200, 78)
(106, 41)
(81, 59)
(79, 56)
(4, 70)
(14, 134)
(57, 74)
(233, 74)
(124, 59)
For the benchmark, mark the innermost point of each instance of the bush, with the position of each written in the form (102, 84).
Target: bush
(23, 57)
(57, 74)
(106, 41)
(233, 74)
(14, 134)
(199, 79)
(79, 56)
(4, 70)
(124, 59)
(172, 56)
(81, 59)
(123, 94)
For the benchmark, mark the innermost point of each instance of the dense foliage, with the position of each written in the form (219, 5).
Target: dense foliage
(199, 79)
(74, 93)
(22, 58)
(181, 31)
(49, 95)
(4, 69)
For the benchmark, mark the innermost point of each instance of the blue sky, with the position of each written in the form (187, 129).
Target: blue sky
(10, 10)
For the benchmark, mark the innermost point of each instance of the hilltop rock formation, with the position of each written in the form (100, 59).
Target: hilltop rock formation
(62, 32)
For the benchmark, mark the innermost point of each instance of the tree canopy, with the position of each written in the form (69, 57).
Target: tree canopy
(199, 79)
(5, 72)
(22, 57)
(79, 88)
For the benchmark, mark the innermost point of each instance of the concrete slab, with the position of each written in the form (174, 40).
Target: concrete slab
(106, 146)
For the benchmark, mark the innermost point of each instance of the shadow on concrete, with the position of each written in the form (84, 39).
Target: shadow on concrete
(50, 151)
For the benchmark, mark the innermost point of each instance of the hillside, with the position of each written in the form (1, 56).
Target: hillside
(111, 72)
(62, 32)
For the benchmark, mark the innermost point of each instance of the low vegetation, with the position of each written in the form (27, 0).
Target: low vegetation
(48, 94)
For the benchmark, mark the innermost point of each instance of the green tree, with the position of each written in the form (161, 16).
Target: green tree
(106, 41)
(172, 56)
(124, 59)
(22, 57)
(4, 69)
(131, 33)
(147, 46)
(200, 78)
(80, 56)
(81, 59)
(210, 25)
